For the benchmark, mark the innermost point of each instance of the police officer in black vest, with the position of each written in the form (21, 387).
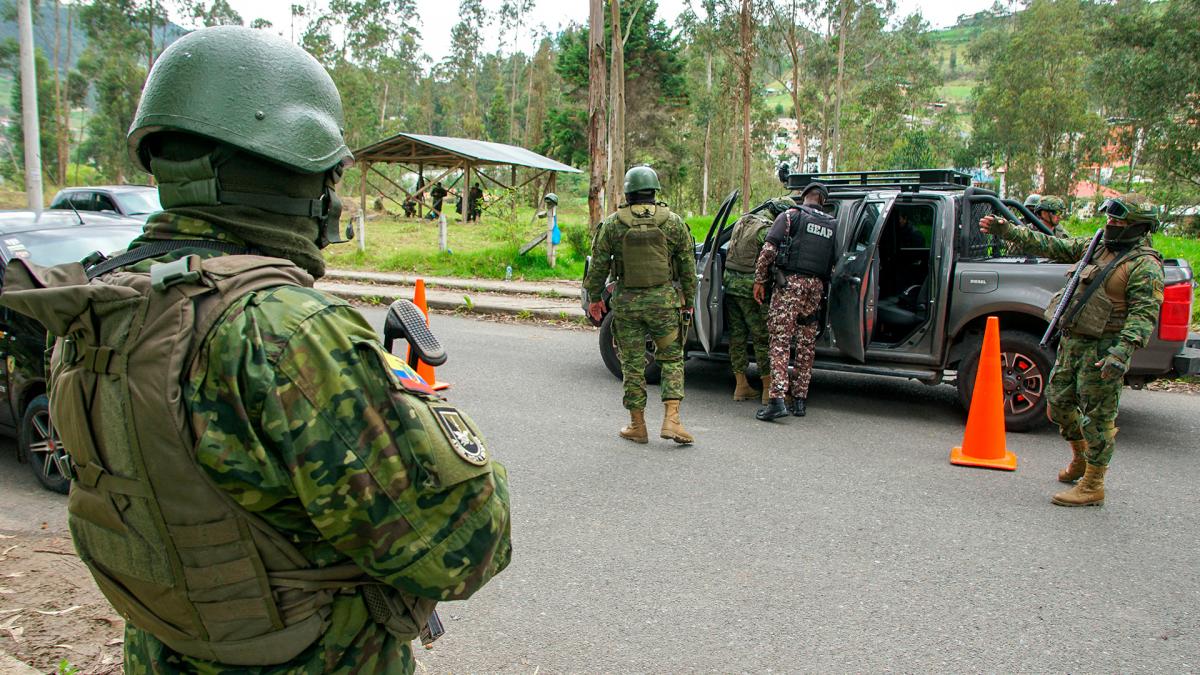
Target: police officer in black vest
(800, 248)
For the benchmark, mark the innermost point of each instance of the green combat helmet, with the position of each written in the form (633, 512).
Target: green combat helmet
(641, 178)
(1138, 216)
(1051, 203)
(780, 204)
(255, 92)
(551, 199)
(1032, 201)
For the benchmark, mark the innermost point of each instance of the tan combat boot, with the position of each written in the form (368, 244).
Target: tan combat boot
(1089, 491)
(672, 428)
(1074, 470)
(766, 389)
(743, 391)
(636, 431)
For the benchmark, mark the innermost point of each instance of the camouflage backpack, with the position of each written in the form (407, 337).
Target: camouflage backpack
(172, 552)
(745, 242)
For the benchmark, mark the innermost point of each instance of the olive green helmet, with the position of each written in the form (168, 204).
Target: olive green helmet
(551, 199)
(1130, 207)
(1051, 203)
(641, 178)
(1032, 201)
(780, 204)
(246, 88)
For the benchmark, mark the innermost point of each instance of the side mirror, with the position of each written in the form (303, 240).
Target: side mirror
(406, 322)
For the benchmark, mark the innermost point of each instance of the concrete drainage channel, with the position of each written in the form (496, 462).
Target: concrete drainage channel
(558, 300)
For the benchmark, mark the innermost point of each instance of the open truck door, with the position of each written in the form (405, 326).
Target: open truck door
(710, 292)
(854, 286)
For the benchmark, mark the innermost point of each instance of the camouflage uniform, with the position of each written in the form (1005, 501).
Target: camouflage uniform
(302, 431)
(641, 313)
(792, 316)
(1081, 402)
(747, 318)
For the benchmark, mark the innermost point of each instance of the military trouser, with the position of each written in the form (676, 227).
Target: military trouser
(798, 299)
(1079, 401)
(747, 322)
(632, 329)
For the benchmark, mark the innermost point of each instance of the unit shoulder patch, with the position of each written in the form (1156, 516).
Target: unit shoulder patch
(463, 438)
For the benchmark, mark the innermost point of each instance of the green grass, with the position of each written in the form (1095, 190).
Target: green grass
(699, 226)
(481, 250)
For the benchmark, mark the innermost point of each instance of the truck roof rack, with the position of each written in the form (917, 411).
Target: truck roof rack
(904, 179)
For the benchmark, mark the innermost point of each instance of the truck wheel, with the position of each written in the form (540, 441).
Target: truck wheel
(38, 442)
(1024, 369)
(608, 352)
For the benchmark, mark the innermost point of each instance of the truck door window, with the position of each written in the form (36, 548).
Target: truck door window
(865, 226)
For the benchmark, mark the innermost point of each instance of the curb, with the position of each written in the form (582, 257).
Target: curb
(551, 289)
(446, 301)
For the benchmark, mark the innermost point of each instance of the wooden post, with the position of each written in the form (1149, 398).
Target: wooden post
(420, 187)
(362, 210)
(443, 238)
(551, 222)
(466, 192)
(515, 198)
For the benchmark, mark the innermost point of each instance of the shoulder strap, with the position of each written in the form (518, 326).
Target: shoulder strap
(158, 248)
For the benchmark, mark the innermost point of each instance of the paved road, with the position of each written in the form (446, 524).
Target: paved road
(841, 542)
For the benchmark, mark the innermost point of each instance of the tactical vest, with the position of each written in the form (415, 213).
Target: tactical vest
(809, 247)
(172, 552)
(1093, 313)
(744, 243)
(645, 253)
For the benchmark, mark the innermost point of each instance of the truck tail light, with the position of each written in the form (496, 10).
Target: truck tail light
(1176, 312)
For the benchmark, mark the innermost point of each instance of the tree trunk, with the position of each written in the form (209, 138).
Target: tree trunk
(707, 133)
(597, 128)
(61, 106)
(746, 67)
(616, 120)
(837, 113)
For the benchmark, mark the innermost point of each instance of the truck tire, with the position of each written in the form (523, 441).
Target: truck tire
(608, 352)
(1025, 370)
(38, 442)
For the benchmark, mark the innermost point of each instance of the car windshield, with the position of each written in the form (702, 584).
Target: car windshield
(138, 203)
(58, 246)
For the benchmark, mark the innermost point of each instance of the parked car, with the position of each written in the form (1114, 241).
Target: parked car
(132, 201)
(914, 283)
(51, 239)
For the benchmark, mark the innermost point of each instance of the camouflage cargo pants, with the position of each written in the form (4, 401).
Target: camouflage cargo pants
(631, 330)
(747, 322)
(1079, 401)
(799, 298)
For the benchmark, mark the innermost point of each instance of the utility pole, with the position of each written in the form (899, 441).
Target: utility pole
(29, 109)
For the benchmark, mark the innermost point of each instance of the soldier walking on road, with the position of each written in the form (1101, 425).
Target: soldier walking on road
(651, 253)
(1112, 314)
(748, 318)
(800, 247)
(258, 487)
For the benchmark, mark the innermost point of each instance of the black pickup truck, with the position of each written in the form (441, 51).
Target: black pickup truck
(914, 284)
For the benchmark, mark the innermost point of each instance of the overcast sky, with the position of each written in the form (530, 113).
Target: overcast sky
(437, 16)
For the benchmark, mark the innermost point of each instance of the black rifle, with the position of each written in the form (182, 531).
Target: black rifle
(1072, 285)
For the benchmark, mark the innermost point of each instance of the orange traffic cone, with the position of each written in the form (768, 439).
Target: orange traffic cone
(983, 442)
(425, 370)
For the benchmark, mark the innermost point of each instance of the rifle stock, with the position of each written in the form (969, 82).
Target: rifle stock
(1069, 291)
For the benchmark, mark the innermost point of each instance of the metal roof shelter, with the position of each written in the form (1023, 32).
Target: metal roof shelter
(414, 152)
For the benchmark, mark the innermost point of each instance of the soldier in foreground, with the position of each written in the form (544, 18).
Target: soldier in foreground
(1111, 315)
(747, 318)
(800, 247)
(258, 486)
(651, 253)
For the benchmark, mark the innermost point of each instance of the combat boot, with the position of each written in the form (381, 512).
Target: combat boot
(1089, 491)
(743, 391)
(1075, 469)
(774, 409)
(766, 395)
(799, 407)
(636, 431)
(672, 428)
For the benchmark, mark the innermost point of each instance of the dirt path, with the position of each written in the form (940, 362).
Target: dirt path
(51, 611)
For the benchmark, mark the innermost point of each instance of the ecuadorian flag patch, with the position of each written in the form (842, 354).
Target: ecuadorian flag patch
(407, 377)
